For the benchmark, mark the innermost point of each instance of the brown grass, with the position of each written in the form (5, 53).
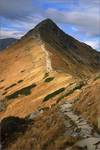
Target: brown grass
(46, 132)
(89, 102)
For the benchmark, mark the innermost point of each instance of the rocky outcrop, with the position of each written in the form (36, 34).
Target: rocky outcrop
(89, 138)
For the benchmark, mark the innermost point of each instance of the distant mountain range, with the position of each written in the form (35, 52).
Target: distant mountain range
(49, 92)
(6, 42)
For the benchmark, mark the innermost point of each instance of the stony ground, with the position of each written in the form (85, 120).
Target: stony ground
(56, 128)
(80, 127)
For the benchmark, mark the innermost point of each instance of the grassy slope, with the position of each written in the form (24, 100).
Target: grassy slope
(46, 131)
(89, 102)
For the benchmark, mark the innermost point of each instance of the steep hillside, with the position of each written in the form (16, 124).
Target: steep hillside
(44, 53)
(49, 73)
(66, 52)
(89, 101)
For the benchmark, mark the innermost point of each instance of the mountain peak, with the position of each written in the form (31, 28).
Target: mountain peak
(47, 30)
(48, 20)
(44, 27)
(47, 23)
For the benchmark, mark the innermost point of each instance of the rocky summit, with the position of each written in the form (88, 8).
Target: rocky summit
(49, 92)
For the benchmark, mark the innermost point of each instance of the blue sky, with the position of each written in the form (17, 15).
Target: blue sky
(79, 18)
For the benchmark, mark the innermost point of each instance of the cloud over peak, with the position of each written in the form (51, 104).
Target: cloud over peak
(19, 16)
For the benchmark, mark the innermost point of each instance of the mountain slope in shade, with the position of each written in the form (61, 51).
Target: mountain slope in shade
(46, 71)
(6, 42)
(66, 52)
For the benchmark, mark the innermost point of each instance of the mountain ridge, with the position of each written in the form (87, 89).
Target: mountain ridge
(49, 87)
(50, 25)
(50, 34)
(31, 60)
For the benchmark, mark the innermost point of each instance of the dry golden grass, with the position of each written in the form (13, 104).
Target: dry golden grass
(25, 61)
(89, 102)
(46, 132)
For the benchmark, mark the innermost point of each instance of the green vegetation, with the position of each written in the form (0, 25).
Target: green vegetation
(65, 47)
(49, 79)
(4, 93)
(14, 84)
(9, 98)
(20, 81)
(24, 91)
(53, 94)
(1, 81)
(78, 85)
(10, 86)
(46, 75)
(72, 88)
(10, 126)
(97, 77)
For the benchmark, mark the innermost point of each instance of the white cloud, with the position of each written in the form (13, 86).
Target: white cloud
(6, 33)
(95, 43)
(19, 27)
(27, 24)
(22, 15)
(87, 22)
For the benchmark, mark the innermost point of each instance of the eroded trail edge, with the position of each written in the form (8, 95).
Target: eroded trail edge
(80, 127)
(48, 61)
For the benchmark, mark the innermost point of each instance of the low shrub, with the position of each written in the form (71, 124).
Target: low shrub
(4, 93)
(10, 86)
(48, 79)
(20, 81)
(1, 80)
(24, 91)
(97, 77)
(51, 95)
(46, 75)
(10, 126)
(71, 89)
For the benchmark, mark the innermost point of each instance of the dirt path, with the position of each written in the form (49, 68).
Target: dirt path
(48, 61)
(81, 127)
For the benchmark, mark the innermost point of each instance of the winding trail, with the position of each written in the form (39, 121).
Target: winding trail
(90, 138)
(48, 61)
